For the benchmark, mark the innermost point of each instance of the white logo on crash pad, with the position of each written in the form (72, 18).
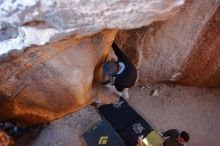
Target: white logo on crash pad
(138, 128)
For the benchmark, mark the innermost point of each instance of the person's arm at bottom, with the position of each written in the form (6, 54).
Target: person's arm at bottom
(140, 141)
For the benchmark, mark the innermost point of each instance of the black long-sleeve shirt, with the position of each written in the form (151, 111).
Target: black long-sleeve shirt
(172, 138)
(128, 76)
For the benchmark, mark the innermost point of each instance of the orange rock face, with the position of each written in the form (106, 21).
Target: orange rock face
(184, 49)
(202, 67)
(47, 82)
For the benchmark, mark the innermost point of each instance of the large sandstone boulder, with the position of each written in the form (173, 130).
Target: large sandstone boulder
(45, 83)
(184, 49)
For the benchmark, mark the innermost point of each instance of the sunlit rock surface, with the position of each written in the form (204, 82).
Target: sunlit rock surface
(27, 22)
(45, 83)
(184, 49)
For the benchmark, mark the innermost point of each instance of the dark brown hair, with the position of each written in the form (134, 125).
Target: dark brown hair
(185, 136)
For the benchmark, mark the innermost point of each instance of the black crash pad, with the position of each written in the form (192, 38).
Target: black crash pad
(102, 134)
(119, 118)
(126, 121)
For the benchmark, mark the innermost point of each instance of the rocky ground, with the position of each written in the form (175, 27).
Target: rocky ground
(195, 110)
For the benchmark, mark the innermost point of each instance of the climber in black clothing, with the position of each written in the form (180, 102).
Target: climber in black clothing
(122, 74)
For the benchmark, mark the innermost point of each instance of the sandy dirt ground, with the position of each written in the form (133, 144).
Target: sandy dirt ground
(196, 110)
